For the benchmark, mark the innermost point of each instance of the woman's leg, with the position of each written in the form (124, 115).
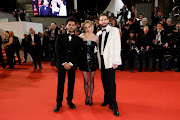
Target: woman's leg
(92, 74)
(86, 85)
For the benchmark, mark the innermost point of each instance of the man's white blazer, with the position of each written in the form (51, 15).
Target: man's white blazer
(112, 50)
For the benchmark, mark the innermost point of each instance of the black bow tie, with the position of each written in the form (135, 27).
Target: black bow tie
(69, 34)
(104, 30)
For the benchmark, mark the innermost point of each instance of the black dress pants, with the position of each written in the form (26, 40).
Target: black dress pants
(61, 80)
(109, 85)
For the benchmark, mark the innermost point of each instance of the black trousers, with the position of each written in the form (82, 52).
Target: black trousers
(10, 57)
(175, 53)
(109, 85)
(157, 54)
(1, 59)
(35, 54)
(61, 80)
(132, 56)
(25, 55)
(18, 55)
(144, 56)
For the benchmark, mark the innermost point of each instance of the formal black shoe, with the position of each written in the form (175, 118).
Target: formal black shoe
(24, 62)
(160, 70)
(131, 70)
(35, 67)
(90, 102)
(153, 70)
(116, 112)
(168, 68)
(71, 105)
(147, 70)
(40, 67)
(20, 64)
(56, 109)
(4, 67)
(178, 70)
(140, 70)
(104, 104)
(10, 67)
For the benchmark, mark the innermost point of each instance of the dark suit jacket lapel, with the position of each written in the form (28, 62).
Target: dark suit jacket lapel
(105, 41)
(100, 40)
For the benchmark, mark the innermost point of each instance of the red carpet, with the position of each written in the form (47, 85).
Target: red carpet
(28, 94)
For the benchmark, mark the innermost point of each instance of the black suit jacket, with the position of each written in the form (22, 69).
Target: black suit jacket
(24, 44)
(163, 36)
(36, 41)
(68, 51)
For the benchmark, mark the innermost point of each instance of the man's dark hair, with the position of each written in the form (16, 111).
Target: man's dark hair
(7, 32)
(131, 19)
(103, 14)
(71, 19)
(160, 24)
(141, 14)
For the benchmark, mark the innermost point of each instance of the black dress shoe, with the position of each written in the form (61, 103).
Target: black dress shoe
(178, 70)
(160, 70)
(131, 70)
(104, 104)
(116, 112)
(20, 64)
(10, 67)
(56, 109)
(153, 70)
(147, 70)
(168, 68)
(71, 105)
(140, 70)
(24, 62)
(40, 67)
(35, 67)
(4, 67)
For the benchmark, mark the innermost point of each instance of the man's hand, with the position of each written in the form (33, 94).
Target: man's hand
(115, 66)
(67, 66)
(166, 45)
(32, 43)
(142, 48)
(147, 48)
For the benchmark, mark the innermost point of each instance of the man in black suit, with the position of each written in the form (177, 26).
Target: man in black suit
(109, 59)
(1, 55)
(144, 42)
(35, 3)
(33, 46)
(160, 42)
(24, 47)
(45, 10)
(68, 49)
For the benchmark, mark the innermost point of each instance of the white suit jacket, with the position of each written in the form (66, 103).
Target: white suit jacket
(112, 50)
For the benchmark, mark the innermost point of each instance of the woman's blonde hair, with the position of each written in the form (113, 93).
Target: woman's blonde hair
(88, 22)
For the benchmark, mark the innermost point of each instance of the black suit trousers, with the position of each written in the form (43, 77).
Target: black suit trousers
(109, 85)
(35, 54)
(61, 80)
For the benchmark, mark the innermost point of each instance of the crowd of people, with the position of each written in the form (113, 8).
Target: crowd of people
(138, 38)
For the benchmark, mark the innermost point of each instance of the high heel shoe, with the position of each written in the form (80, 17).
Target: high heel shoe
(90, 103)
(86, 102)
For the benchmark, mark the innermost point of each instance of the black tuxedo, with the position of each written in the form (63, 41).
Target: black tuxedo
(24, 47)
(108, 79)
(1, 55)
(67, 51)
(34, 50)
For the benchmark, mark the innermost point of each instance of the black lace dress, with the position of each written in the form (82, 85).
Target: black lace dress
(89, 61)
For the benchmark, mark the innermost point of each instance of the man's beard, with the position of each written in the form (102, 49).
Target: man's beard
(104, 25)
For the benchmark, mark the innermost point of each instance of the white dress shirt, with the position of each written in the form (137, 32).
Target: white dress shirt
(32, 36)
